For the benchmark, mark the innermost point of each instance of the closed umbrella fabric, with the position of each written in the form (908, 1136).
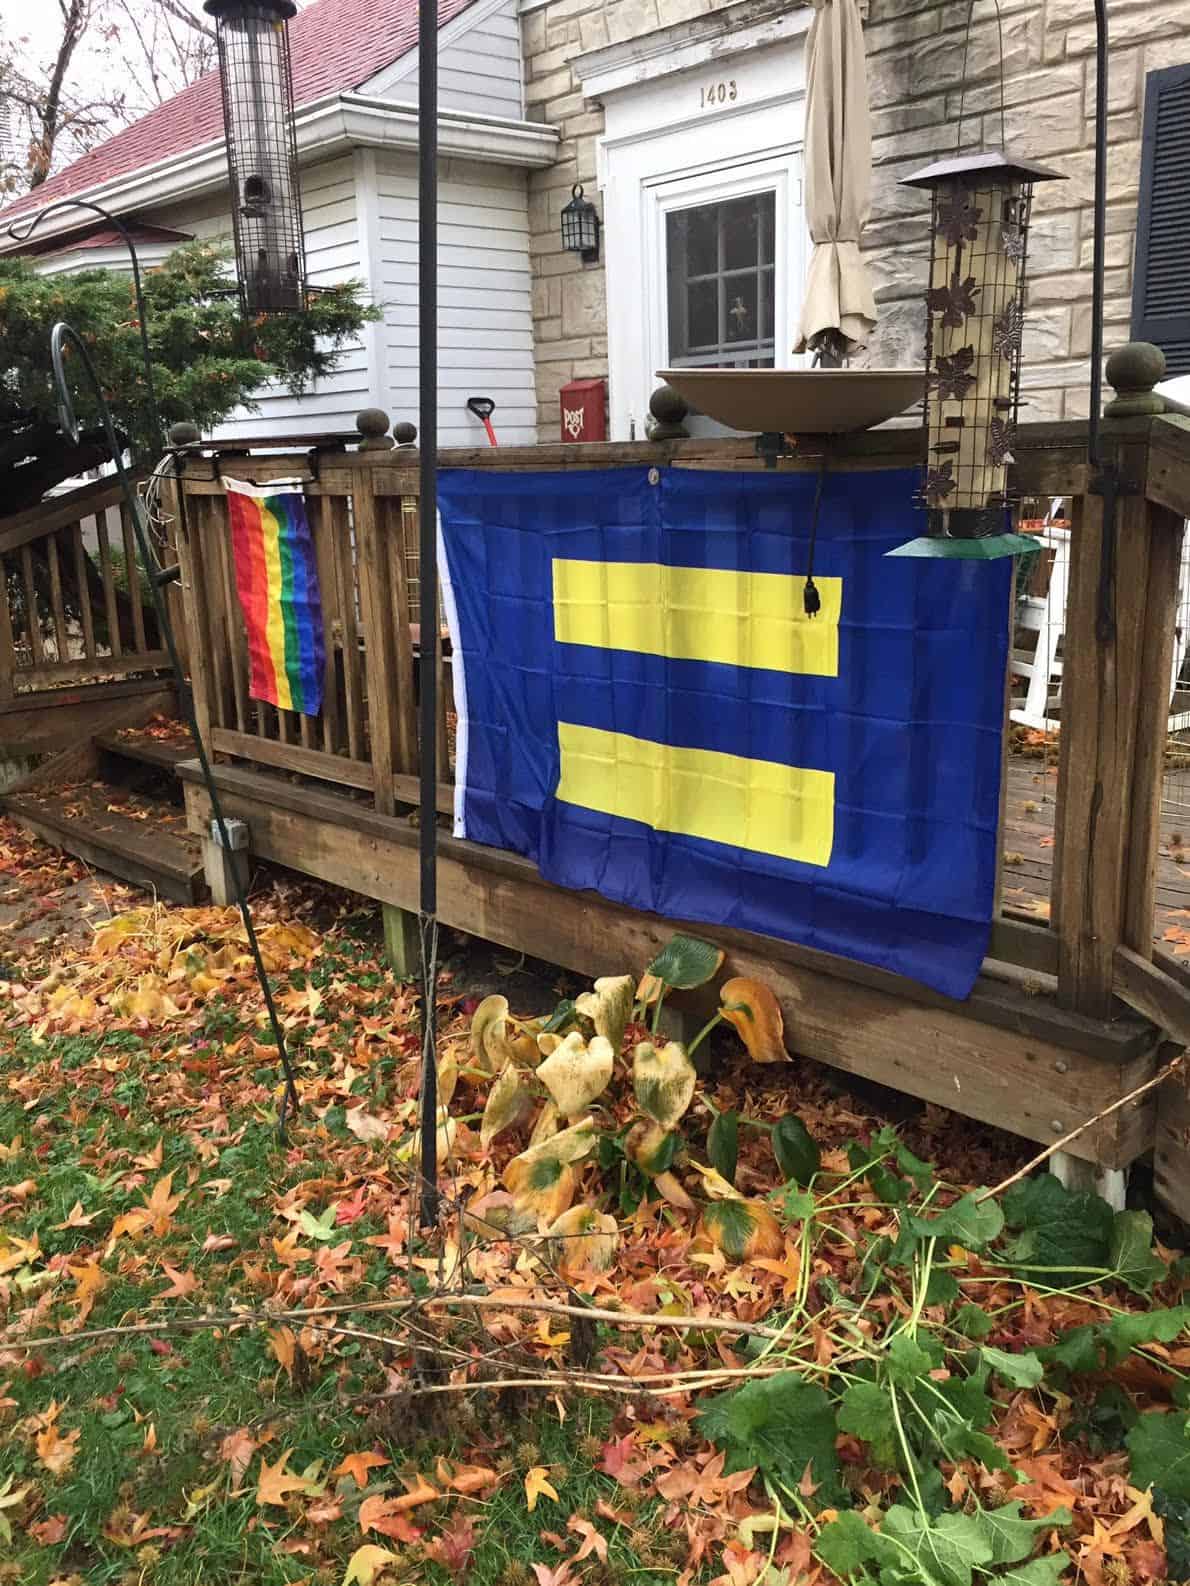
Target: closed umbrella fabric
(838, 173)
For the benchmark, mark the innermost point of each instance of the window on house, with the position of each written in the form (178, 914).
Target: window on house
(720, 283)
(1161, 283)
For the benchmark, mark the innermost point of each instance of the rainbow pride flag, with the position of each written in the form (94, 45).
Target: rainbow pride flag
(277, 582)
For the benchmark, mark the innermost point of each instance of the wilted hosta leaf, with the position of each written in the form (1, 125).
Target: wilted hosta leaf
(650, 1147)
(510, 1100)
(586, 1241)
(489, 1034)
(541, 1185)
(448, 1077)
(609, 1007)
(542, 1179)
(495, 1211)
(576, 1073)
(410, 1149)
(750, 1006)
(715, 1186)
(723, 1144)
(664, 1081)
(546, 1126)
(743, 1230)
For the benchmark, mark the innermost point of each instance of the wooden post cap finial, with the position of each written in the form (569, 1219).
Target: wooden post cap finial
(372, 424)
(183, 434)
(405, 433)
(669, 411)
(1132, 372)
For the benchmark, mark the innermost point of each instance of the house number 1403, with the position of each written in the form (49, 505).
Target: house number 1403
(719, 94)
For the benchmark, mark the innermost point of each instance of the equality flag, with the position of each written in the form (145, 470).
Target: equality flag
(277, 583)
(646, 710)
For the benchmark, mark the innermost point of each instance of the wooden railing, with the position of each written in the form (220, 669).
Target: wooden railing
(75, 609)
(364, 523)
(1119, 631)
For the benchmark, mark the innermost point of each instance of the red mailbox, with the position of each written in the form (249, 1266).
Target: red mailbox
(584, 410)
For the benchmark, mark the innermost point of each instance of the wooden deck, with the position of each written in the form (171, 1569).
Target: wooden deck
(1029, 818)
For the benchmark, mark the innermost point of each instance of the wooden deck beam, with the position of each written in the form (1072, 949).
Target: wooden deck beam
(1004, 1057)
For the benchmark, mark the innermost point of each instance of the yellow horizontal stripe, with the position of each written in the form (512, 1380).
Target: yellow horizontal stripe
(699, 614)
(723, 798)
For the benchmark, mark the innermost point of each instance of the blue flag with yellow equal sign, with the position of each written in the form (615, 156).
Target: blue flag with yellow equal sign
(646, 711)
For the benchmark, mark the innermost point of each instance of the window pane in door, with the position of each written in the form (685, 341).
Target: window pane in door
(720, 287)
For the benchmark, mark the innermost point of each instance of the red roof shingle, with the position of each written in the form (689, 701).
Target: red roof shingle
(336, 45)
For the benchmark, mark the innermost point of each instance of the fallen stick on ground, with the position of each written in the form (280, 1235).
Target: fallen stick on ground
(188, 1324)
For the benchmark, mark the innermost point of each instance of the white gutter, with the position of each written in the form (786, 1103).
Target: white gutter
(324, 127)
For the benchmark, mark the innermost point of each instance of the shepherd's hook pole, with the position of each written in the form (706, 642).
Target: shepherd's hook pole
(22, 233)
(427, 316)
(65, 336)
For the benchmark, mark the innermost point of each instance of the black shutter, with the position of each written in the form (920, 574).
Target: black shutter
(1161, 285)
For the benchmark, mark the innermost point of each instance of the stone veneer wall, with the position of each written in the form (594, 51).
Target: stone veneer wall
(915, 55)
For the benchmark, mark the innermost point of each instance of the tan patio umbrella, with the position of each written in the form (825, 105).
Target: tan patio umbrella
(839, 311)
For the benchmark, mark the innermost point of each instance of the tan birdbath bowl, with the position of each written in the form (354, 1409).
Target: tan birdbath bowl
(797, 401)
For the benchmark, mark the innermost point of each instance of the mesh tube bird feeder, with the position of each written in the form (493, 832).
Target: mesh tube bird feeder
(257, 82)
(975, 323)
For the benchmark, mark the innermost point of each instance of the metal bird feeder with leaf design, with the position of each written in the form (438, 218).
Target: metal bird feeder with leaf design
(257, 81)
(975, 323)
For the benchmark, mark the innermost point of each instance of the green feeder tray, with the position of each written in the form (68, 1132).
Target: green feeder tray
(946, 547)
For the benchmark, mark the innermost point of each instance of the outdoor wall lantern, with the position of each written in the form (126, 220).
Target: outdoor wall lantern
(975, 317)
(580, 226)
(257, 81)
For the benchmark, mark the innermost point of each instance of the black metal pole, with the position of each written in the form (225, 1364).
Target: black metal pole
(20, 233)
(427, 320)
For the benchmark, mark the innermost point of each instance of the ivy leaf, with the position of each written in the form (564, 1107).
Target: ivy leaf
(1057, 1229)
(847, 1544)
(1045, 1571)
(942, 1289)
(1019, 1371)
(1080, 1350)
(866, 1412)
(946, 1550)
(973, 1321)
(968, 1222)
(922, 1173)
(1125, 1333)
(1011, 1537)
(723, 1144)
(886, 1185)
(964, 1442)
(781, 1425)
(908, 1362)
(1130, 1252)
(1176, 1514)
(1159, 1446)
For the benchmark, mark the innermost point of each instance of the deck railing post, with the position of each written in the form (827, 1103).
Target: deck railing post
(373, 546)
(1115, 701)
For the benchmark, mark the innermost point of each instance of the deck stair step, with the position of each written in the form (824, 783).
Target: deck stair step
(125, 818)
(144, 765)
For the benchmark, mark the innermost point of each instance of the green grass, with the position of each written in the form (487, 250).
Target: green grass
(85, 1110)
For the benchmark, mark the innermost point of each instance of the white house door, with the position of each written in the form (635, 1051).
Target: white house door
(704, 231)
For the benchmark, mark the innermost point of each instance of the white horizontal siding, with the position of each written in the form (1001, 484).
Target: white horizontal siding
(486, 324)
(479, 65)
(331, 225)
